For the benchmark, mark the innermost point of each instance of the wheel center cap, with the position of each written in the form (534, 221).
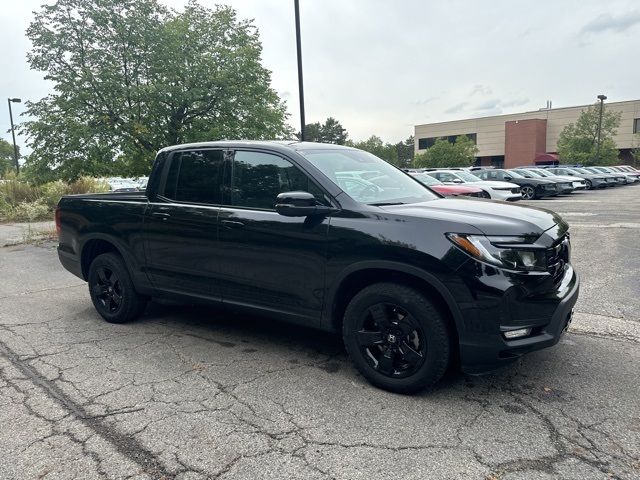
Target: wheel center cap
(110, 289)
(391, 338)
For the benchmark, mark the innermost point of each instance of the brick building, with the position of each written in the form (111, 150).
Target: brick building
(522, 138)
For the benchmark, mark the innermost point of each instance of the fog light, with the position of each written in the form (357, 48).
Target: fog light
(521, 332)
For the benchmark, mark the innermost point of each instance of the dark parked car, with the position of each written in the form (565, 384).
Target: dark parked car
(592, 180)
(564, 186)
(530, 188)
(411, 280)
(617, 177)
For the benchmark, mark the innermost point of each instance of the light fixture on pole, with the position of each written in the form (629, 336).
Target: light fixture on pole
(13, 132)
(300, 86)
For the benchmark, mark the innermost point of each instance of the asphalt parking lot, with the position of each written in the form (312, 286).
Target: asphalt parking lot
(194, 393)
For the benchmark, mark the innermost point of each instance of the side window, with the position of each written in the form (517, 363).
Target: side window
(445, 177)
(258, 178)
(196, 177)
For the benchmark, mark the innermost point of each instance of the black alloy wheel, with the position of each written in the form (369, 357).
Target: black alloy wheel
(107, 289)
(391, 340)
(589, 184)
(112, 291)
(396, 337)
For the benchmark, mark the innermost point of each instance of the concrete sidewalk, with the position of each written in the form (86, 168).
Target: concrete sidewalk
(15, 233)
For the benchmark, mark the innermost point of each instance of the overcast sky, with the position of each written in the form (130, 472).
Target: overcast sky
(382, 66)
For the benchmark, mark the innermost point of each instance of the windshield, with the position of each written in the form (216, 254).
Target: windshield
(513, 174)
(535, 174)
(542, 173)
(426, 179)
(581, 170)
(467, 177)
(367, 178)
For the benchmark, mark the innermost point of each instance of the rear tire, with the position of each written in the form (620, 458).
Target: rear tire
(112, 291)
(396, 337)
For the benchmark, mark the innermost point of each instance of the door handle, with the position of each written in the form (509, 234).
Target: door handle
(231, 224)
(161, 215)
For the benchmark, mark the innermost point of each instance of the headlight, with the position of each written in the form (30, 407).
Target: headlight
(512, 253)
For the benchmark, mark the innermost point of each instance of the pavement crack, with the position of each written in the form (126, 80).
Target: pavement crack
(126, 445)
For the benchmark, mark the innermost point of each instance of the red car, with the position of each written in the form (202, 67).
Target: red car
(449, 190)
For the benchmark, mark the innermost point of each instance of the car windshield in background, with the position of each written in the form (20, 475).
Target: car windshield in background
(468, 177)
(534, 173)
(368, 179)
(514, 174)
(426, 179)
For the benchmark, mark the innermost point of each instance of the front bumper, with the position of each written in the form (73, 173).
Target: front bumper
(524, 304)
(505, 195)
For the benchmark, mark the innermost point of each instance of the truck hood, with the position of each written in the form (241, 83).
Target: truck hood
(489, 217)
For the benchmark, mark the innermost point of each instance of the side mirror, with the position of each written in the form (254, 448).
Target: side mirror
(457, 180)
(507, 178)
(300, 204)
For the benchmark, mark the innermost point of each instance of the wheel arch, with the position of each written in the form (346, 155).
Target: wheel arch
(355, 278)
(97, 244)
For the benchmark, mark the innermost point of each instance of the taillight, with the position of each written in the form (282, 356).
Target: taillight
(58, 212)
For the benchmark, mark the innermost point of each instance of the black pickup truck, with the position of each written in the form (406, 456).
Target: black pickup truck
(334, 238)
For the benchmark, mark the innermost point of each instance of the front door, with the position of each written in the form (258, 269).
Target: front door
(181, 225)
(269, 261)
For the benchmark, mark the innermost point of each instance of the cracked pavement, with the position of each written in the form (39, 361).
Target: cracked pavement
(195, 393)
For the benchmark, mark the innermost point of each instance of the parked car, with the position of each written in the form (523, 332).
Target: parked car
(577, 183)
(117, 184)
(410, 279)
(628, 176)
(449, 190)
(142, 182)
(497, 190)
(617, 177)
(530, 188)
(564, 186)
(591, 180)
(629, 168)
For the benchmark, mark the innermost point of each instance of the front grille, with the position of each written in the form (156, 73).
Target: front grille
(558, 258)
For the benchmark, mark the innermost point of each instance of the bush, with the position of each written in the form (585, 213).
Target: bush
(20, 201)
(30, 212)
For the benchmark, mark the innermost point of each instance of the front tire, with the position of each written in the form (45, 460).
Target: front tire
(112, 291)
(589, 184)
(528, 192)
(396, 337)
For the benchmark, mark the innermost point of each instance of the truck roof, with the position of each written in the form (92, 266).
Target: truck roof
(271, 144)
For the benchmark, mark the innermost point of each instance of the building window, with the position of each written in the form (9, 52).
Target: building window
(424, 143)
(636, 125)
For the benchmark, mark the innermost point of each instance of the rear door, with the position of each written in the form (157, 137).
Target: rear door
(269, 261)
(181, 225)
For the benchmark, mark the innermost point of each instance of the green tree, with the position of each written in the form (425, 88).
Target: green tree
(444, 154)
(405, 151)
(329, 132)
(7, 162)
(131, 76)
(376, 146)
(578, 142)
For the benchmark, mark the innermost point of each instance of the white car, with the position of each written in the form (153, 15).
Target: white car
(497, 190)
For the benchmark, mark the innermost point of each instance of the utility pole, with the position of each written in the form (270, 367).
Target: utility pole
(602, 98)
(300, 83)
(13, 132)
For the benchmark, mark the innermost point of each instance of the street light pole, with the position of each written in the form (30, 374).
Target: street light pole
(13, 132)
(300, 86)
(602, 98)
